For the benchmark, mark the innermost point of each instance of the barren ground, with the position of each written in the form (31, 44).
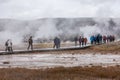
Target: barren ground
(69, 73)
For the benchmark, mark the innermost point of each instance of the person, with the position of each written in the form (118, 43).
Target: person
(92, 38)
(108, 38)
(113, 38)
(30, 43)
(85, 41)
(95, 39)
(100, 38)
(76, 39)
(8, 45)
(80, 41)
(59, 43)
(104, 39)
(56, 43)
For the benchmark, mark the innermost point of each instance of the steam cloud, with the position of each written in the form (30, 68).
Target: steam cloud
(65, 28)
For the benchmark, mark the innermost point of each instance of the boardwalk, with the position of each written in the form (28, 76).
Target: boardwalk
(44, 50)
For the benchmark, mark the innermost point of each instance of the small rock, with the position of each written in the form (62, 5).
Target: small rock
(114, 60)
(6, 62)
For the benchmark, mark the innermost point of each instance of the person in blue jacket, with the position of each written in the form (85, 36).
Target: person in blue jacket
(92, 38)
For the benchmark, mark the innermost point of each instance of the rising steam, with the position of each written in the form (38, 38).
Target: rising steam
(65, 28)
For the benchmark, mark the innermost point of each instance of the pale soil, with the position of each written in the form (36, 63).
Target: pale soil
(73, 73)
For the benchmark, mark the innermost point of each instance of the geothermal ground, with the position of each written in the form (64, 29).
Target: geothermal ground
(99, 62)
(39, 61)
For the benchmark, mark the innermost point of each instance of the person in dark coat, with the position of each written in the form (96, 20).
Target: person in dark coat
(59, 43)
(113, 38)
(8, 45)
(30, 43)
(100, 39)
(80, 41)
(56, 43)
(76, 39)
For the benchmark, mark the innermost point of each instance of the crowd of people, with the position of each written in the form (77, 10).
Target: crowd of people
(99, 39)
(8, 45)
(82, 41)
(94, 39)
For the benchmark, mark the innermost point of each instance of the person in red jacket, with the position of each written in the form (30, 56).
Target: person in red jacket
(85, 41)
